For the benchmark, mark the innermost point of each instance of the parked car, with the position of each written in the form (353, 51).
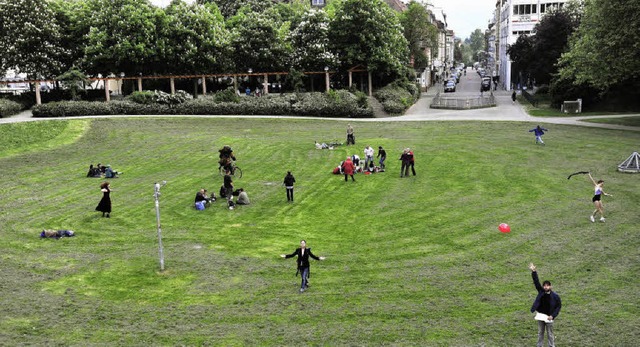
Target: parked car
(450, 87)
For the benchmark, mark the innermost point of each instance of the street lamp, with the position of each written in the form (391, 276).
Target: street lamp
(156, 195)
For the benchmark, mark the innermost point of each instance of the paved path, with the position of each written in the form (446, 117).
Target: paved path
(420, 111)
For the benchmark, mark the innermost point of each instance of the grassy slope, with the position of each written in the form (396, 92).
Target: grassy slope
(415, 261)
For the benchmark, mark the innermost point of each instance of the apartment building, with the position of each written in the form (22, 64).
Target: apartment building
(511, 19)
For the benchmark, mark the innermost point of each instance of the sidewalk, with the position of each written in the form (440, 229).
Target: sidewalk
(420, 111)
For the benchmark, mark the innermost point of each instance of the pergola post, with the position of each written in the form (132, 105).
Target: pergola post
(350, 78)
(370, 84)
(265, 85)
(139, 84)
(107, 96)
(204, 86)
(38, 99)
(173, 85)
(326, 80)
(235, 83)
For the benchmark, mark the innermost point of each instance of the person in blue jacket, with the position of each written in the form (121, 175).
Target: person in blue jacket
(538, 131)
(547, 302)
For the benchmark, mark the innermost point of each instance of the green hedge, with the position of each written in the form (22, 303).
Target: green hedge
(332, 104)
(9, 108)
(396, 97)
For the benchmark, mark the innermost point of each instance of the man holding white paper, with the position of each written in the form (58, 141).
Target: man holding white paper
(547, 305)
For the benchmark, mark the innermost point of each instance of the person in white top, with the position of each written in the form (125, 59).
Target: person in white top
(597, 196)
(368, 155)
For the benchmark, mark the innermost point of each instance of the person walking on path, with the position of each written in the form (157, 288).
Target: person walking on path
(289, 180)
(548, 303)
(538, 131)
(382, 154)
(513, 97)
(348, 168)
(597, 199)
(351, 139)
(303, 253)
(104, 205)
(368, 156)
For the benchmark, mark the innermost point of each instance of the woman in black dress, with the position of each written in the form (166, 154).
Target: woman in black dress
(105, 203)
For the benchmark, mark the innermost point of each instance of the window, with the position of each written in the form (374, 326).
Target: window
(317, 3)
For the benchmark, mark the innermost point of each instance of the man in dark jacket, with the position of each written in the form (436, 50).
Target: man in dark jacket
(303, 254)
(548, 303)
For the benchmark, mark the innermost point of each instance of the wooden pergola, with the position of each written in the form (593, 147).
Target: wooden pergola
(361, 68)
(172, 78)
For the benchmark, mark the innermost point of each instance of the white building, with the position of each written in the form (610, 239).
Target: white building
(514, 18)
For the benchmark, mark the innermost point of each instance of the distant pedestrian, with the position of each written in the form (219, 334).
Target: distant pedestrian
(351, 139)
(104, 205)
(348, 168)
(382, 154)
(303, 253)
(548, 303)
(289, 180)
(227, 184)
(513, 97)
(538, 131)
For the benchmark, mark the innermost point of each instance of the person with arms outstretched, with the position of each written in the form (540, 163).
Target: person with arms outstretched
(597, 199)
(548, 303)
(303, 253)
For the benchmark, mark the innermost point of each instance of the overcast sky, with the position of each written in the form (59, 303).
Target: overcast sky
(463, 16)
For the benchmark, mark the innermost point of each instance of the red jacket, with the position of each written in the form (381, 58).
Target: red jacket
(348, 167)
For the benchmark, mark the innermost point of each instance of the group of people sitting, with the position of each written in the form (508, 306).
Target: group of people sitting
(99, 171)
(203, 199)
(359, 166)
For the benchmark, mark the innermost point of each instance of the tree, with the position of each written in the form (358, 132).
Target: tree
(75, 81)
(368, 32)
(31, 38)
(420, 33)
(122, 37)
(521, 54)
(194, 39)
(229, 8)
(259, 41)
(476, 42)
(601, 54)
(549, 42)
(310, 42)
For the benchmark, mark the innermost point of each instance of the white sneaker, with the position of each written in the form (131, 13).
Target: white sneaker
(593, 220)
(602, 219)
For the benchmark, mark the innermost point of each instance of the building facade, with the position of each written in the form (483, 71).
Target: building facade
(511, 19)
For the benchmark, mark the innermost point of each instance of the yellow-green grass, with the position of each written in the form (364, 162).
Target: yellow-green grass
(414, 261)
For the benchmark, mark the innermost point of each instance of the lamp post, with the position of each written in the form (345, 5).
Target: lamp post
(156, 195)
(326, 78)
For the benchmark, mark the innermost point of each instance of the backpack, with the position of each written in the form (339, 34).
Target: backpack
(200, 205)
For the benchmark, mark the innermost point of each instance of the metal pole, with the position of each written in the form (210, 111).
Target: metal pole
(157, 198)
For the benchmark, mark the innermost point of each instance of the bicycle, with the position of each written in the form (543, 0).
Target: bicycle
(235, 171)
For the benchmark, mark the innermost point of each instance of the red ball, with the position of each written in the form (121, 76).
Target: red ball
(504, 227)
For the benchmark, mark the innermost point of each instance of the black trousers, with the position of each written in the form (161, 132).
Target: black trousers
(289, 194)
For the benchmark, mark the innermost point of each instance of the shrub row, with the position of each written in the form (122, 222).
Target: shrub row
(9, 108)
(333, 104)
(396, 97)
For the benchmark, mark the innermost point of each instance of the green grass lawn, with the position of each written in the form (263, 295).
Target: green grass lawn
(628, 121)
(415, 261)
